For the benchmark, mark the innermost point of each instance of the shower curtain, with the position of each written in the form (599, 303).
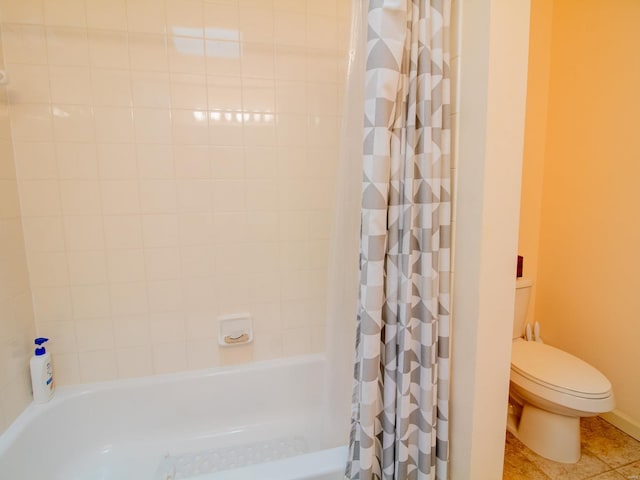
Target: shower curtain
(400, 409)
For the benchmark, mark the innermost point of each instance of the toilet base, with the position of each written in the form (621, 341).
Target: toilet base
(553, 436)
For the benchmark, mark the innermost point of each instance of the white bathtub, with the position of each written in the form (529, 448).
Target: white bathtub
(264, 421)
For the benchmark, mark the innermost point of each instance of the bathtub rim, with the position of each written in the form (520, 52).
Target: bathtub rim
(68, 392)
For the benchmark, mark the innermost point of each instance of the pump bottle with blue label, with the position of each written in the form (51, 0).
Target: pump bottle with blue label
(41, 373)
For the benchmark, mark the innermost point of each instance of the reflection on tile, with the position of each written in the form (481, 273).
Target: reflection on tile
(586, 467)
(609, 476)
(631, 471)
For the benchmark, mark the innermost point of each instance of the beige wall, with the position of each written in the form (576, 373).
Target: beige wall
(170, 173)
(535, 139)
(586, 299)
(17, 328)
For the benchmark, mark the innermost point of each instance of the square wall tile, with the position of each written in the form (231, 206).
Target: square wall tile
(290, 28)
(131, 331)
(189, 91)
(113, 124)
(90, 301)
(80, 197)
(258, 60)
(151, 89)
(166, 328)
(84, 232)
(35, 160)
(134, 362)
(186, 54)
(221, 21)
(169, 357)
(158, 196)
(98, 366)
(67, 46)
(256, 24)
(120, 197)
(108, 49)
(162, 263)
(117, 162)
(48, 269)
(152, 125)
(126, 265)
(73, 123)
(194, 195)
(94, 335)
(128, 298)
(40, 198)
(202, 354)
(223, 57)
(70, 85)
(111, 87)
(190, 127)
(26, 11)
(123, 231)
(29, 84)
(52, 304)
(155, 161)
(76, 160)
(148, 52)
(160, 230)
(227, 163)
(24, 44)
(185, 18)
(31, 123)
(146, 16)
(106, 14)
(43, 234)
(192, 161)
(195, 229)
(196, 261)
(68, 13)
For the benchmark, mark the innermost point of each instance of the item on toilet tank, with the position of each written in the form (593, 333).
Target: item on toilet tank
(536, 332)
(519, 266)
(41, 373)
(527, 333)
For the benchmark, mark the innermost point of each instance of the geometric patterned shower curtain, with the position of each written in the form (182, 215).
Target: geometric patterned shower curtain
(400, 410)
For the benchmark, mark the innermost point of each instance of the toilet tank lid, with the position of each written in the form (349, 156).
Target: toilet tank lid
(549, 365)
(523, 282)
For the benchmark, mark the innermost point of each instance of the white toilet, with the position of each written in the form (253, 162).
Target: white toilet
(550, 390)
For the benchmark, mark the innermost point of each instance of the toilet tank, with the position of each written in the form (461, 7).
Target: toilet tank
(523, 292)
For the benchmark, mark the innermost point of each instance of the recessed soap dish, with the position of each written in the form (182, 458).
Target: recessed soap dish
(235, 330)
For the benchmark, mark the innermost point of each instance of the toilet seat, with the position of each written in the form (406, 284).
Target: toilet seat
(552, 368)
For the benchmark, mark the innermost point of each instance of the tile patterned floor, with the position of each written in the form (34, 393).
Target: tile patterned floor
(607, 454)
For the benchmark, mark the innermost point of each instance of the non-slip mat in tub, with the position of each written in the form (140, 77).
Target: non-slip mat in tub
(176, 467)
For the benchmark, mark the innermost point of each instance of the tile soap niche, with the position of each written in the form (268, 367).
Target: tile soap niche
(235, 330)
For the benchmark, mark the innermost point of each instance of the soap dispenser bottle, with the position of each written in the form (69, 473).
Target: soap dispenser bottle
(41, 373)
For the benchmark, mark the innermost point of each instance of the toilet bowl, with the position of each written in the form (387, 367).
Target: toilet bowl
(549, 391)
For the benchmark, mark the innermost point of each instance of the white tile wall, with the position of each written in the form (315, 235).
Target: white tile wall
(176, 161)
(17, 327)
